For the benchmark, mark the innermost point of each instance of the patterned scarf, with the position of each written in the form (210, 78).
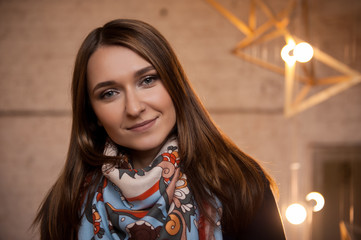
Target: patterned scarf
(150, 203)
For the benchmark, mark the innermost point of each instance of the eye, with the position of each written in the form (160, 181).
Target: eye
(149, 80)
(108, 94)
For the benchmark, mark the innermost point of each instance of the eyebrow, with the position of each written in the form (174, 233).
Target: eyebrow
(138, 73)
(142, 71)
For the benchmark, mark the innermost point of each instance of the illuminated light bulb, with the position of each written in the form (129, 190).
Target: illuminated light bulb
(296, 213)
(318, 198)
(285, 53)
(303, 52)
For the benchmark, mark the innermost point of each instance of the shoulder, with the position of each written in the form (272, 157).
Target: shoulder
(266, 223)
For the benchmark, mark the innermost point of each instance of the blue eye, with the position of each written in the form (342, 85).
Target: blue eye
(108, 94)
(149, 80)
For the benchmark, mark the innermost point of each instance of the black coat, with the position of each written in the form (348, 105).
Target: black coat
(266, 224)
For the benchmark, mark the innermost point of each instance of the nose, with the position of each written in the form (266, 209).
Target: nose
(133, 105)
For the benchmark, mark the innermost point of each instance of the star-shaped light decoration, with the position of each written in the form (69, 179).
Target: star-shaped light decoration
(276, 26)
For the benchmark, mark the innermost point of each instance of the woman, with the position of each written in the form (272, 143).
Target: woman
(145, 160)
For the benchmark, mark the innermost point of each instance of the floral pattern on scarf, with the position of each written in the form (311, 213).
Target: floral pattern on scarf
(150, 203)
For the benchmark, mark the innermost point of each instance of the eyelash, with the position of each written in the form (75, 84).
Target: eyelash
(152, 78)
(105, 93)
(147, 81)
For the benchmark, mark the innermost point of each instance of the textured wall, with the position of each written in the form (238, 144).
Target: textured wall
(38, 43)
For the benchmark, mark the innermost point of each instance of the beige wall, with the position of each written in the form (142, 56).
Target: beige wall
(38, 43)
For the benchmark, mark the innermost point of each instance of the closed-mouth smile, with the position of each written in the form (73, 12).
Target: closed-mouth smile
(143, 125)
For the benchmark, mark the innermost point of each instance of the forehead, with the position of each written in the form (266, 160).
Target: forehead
(108, 60)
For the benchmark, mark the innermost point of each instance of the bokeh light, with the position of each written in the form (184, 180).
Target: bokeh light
(318, 198)
(296, 213)
(285, 53)
(303, 52)
(292, 52)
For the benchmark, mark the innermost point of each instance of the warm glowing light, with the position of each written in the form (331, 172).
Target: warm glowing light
(303, 52)
(318, 198)
(285, 53)
(296, 213)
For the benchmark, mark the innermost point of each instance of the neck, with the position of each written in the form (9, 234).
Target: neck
(142, 159)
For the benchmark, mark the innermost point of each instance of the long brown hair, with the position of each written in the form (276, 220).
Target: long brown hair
(213, 164)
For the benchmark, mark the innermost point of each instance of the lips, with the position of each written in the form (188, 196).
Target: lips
(143, 125)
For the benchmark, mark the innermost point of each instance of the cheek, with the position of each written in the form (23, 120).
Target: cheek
(108, 116)
(168, 108)
(165, 103)
(172, 116)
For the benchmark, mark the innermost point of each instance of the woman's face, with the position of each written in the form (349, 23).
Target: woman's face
(129, 99)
